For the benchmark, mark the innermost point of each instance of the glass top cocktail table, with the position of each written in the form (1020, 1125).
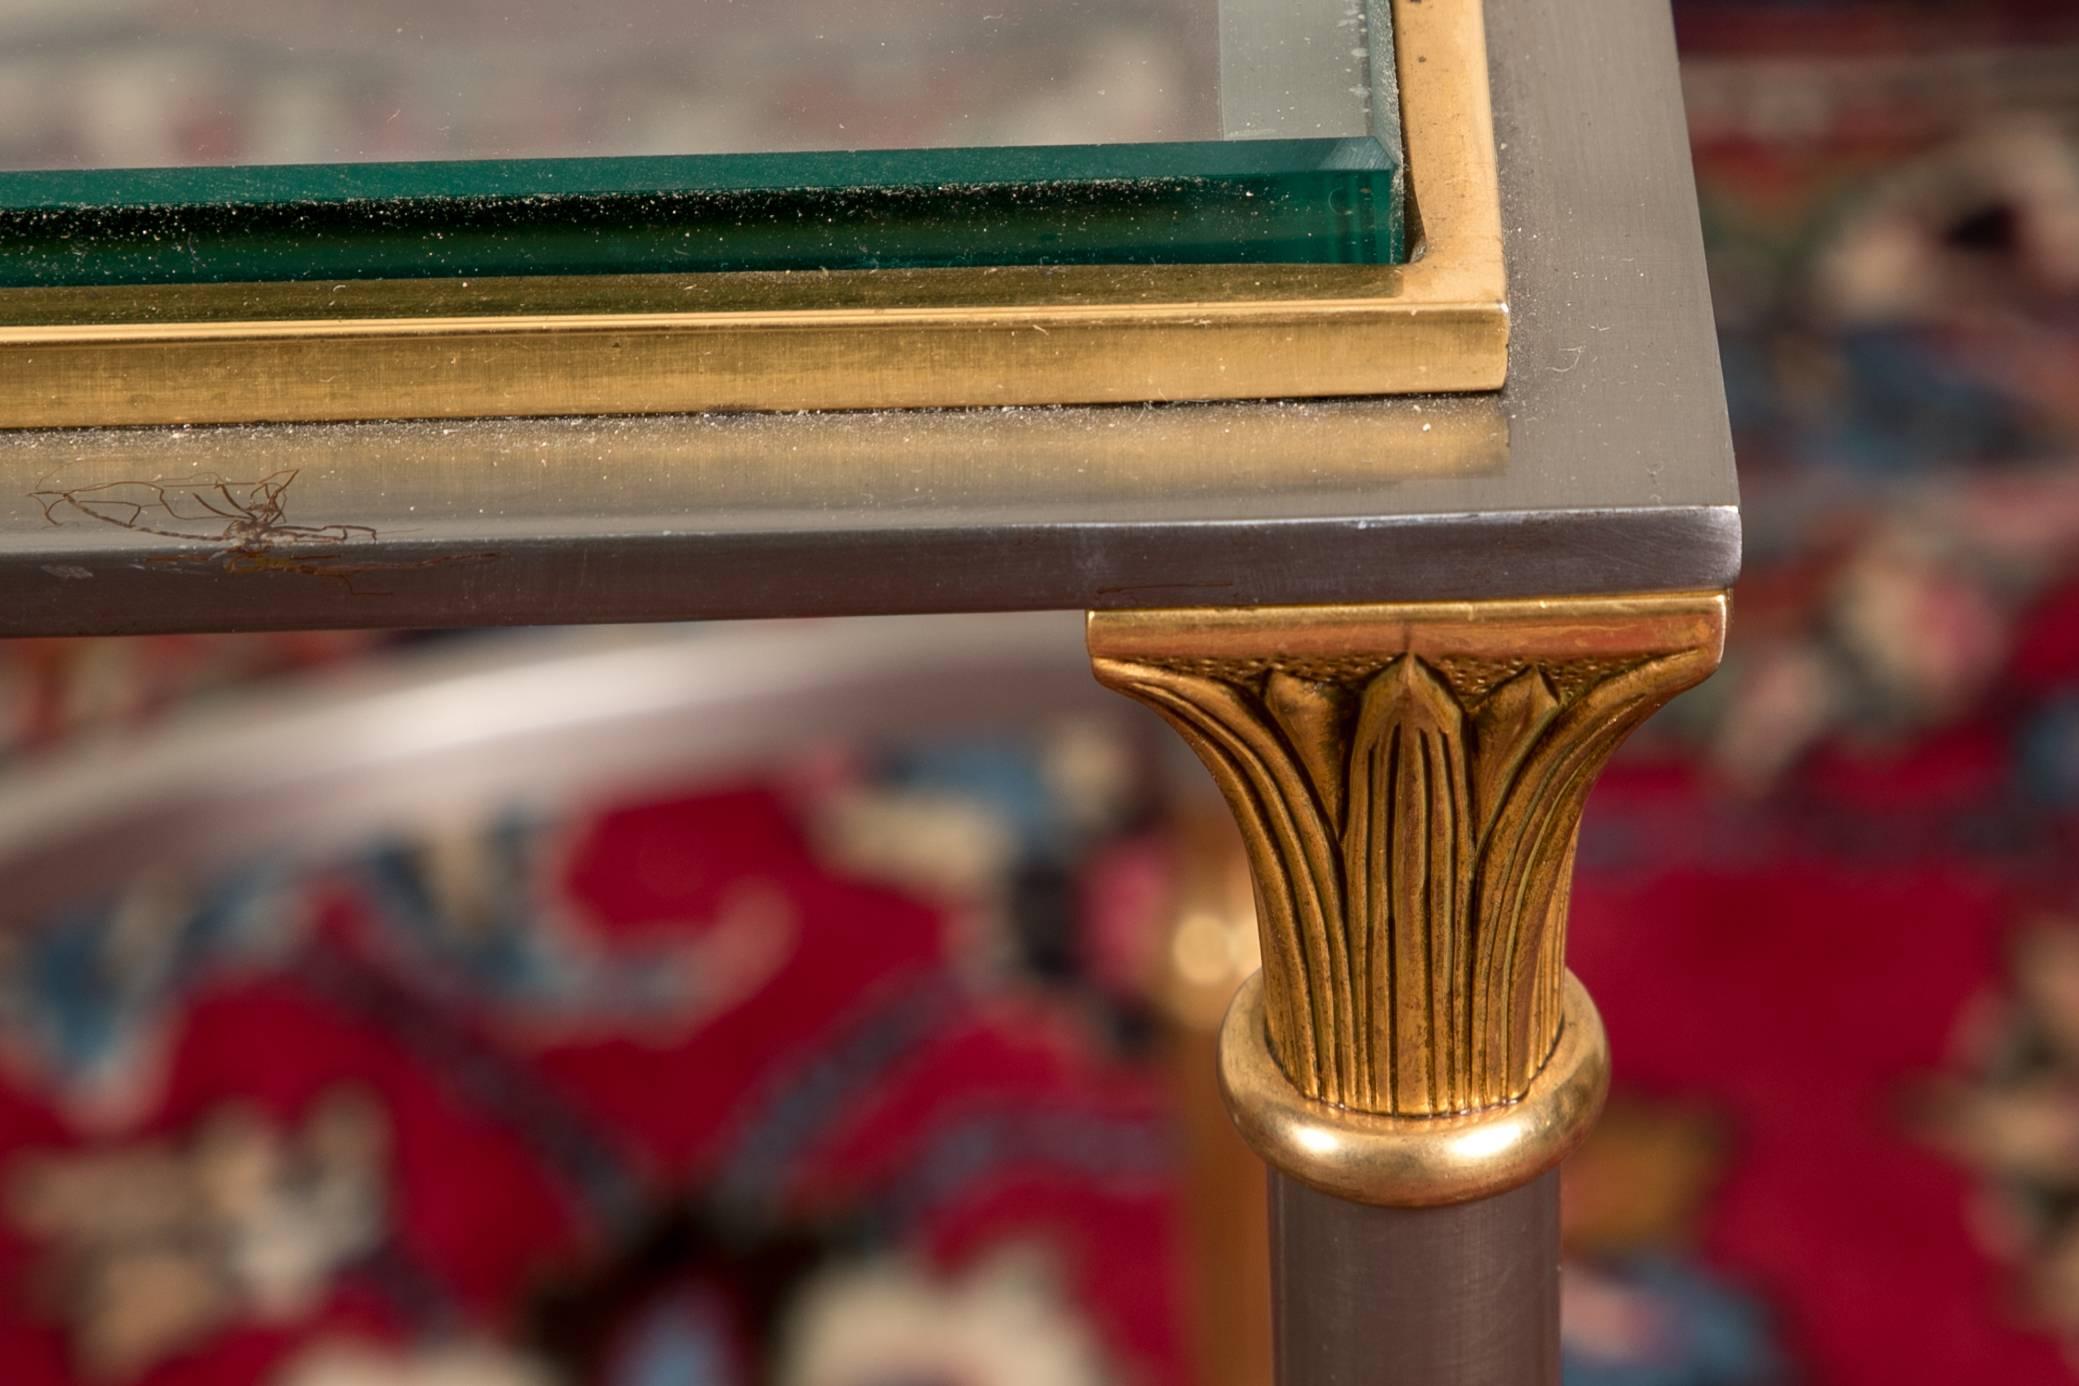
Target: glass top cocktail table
(1363, 390)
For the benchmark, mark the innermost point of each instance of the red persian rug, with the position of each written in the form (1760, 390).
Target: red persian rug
(838, 1078)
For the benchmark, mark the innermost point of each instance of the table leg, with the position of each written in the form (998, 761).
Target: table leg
(1467, 1292)
(1413, 1059)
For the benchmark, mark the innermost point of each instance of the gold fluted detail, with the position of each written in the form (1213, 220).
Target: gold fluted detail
(1409, 781)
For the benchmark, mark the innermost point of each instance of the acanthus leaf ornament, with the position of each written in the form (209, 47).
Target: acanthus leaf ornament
(1409, 780)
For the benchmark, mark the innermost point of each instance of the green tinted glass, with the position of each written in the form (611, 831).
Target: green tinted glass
(171, 141)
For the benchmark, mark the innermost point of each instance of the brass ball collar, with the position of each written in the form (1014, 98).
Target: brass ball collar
(1414, 1161)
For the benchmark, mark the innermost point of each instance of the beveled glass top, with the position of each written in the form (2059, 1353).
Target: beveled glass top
(686, 135)
(157, 83)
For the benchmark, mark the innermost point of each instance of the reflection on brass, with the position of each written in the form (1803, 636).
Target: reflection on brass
(1409, 780)
(717, 462)
(1415, 1162)
(238, 353)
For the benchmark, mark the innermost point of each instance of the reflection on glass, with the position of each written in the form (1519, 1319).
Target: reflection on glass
(88, 86)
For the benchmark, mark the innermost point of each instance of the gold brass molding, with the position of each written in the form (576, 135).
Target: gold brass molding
(1409, 780)
(881, 339)
(1415, 1162)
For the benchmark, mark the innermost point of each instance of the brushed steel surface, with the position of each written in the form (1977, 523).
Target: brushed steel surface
(1459, 1296)
(1604, 466)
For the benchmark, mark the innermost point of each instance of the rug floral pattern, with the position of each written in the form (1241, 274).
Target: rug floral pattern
(838, 1079)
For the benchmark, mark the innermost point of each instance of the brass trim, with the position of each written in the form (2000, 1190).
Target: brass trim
(1409, 780)
(243, 353)
(1415, 1162)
